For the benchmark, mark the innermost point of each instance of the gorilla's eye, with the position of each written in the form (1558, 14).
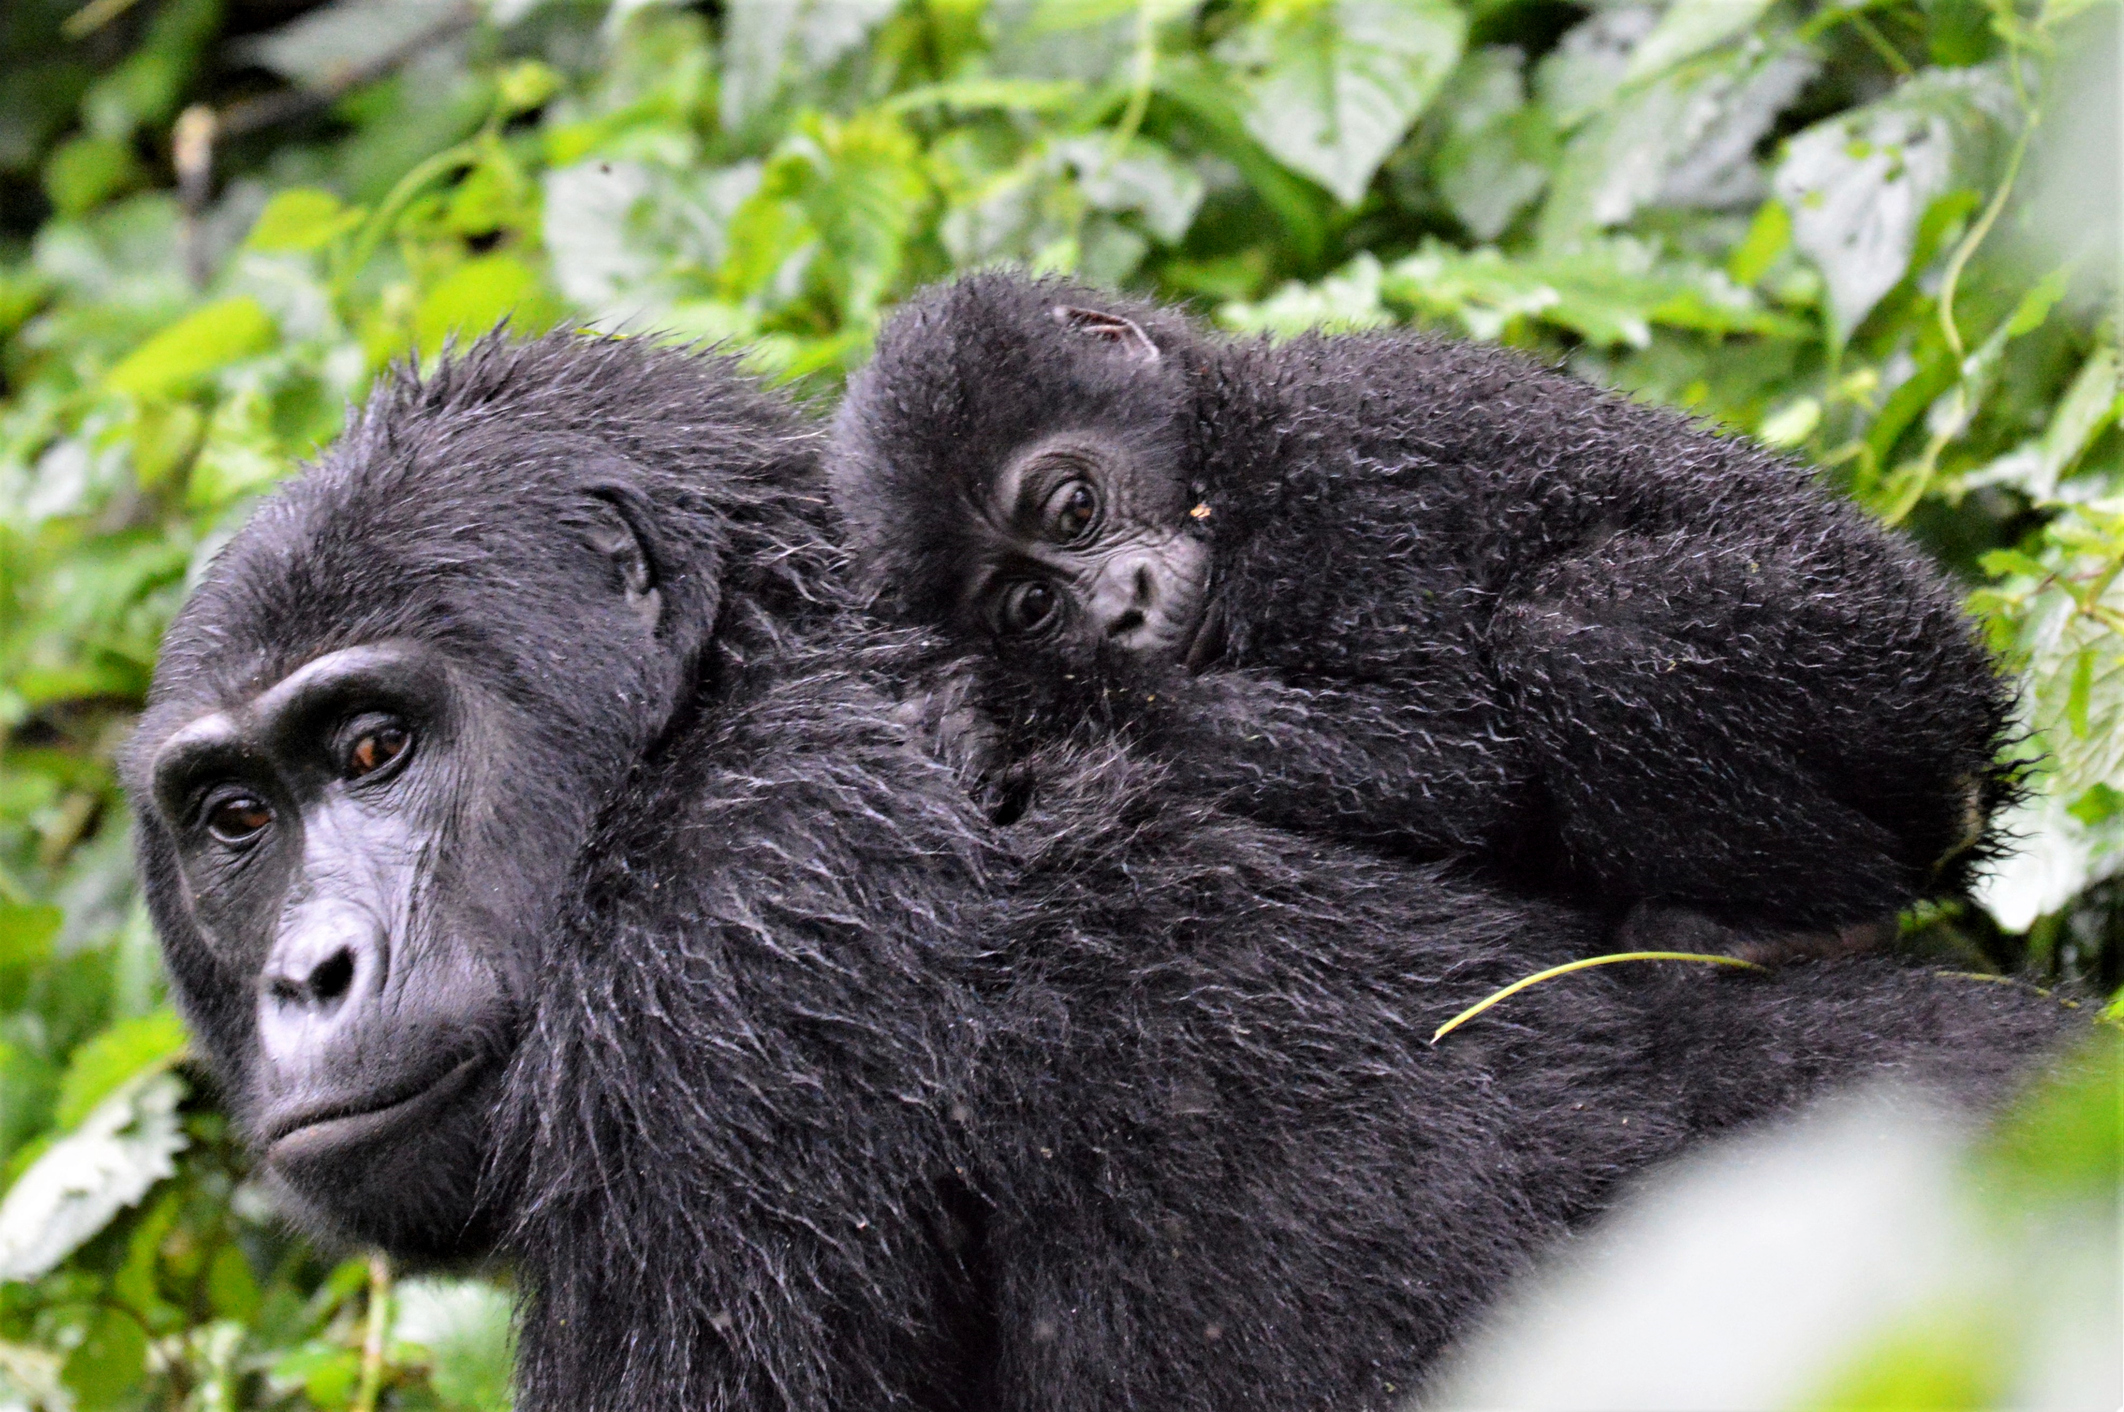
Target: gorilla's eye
(375, 748)
(1073, 510)
(1027, 608)
(238, 818)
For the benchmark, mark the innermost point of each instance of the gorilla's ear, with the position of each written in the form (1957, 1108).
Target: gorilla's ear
(617, 527)
(1125, 334)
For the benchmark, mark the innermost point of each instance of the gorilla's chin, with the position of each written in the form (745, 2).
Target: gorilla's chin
(402, 1174)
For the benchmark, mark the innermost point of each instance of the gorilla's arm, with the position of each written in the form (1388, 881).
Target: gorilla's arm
(1746, 726)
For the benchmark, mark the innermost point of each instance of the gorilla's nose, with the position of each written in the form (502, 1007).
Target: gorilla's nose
(326, 967)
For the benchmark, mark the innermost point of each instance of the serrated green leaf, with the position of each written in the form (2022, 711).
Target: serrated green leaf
(84, 1179)
(1332, 88)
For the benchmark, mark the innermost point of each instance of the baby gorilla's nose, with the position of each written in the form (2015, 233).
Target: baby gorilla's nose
(1126, 590)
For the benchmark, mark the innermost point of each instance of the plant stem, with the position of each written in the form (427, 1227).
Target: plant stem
(1976, 235)
(1585, 963)
(372, 1339)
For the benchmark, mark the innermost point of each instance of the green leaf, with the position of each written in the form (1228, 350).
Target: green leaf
(1348, 299)
(770, 44)
(231, 1287)
(109, 1362)
(2001, 562)
(326, 1373)
(1146, 179)
(1683, 140)
(1015, 95)
(1769, 236)
(479, 294)
(120, 1055)
(26, 933)
(1791, 424)
(1858, 184)
(1938, 1358)
(1687, 29)
(198, 344)
(302, 218)
(1332, 87)
(2065, 1140)
(87, 171)
(2076, 696)
(464, 1327)
(85, 1178)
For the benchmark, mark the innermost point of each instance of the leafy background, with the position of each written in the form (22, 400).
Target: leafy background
(1881, 233)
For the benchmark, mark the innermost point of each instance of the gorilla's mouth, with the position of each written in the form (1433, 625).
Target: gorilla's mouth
(321, 1129)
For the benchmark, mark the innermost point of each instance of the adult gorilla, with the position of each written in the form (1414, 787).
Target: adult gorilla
(542, 861)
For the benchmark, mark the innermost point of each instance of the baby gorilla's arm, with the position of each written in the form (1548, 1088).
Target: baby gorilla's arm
(1748, 728)
(1383, 766)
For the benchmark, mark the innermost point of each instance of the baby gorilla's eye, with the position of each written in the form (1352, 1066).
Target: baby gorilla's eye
(375, 748)
(1073, 510)
(239, 818)
(1027, 608)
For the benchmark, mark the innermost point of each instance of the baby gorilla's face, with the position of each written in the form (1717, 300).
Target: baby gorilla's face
(1081, 546)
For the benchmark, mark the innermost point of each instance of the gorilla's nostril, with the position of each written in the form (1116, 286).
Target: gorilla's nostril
(1127, 623)
(333, 977)
(1145, 584)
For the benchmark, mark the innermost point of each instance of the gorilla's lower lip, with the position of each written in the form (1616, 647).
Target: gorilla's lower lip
(313, 1134)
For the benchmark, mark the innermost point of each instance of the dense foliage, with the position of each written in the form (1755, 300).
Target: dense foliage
(1879, 232)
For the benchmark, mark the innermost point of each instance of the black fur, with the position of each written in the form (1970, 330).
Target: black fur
(823, 1092)
(1468, 605)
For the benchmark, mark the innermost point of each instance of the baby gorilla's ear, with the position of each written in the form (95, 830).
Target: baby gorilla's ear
(1125, 334)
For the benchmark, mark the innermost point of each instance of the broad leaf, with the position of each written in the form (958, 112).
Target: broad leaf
(1332, 87)
(1687, 139)
(1687, 29)
(201, 343)
(768, 44)
(1858, 184)
(1146, 179)
(478, 295)
(71, 1192)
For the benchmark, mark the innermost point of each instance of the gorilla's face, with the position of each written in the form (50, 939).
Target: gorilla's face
(318, 828)
(357, 853)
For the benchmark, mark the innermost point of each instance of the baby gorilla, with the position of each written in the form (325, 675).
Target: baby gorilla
(1426, 596)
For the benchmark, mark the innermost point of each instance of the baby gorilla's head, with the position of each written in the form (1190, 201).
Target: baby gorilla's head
(1012, 469)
